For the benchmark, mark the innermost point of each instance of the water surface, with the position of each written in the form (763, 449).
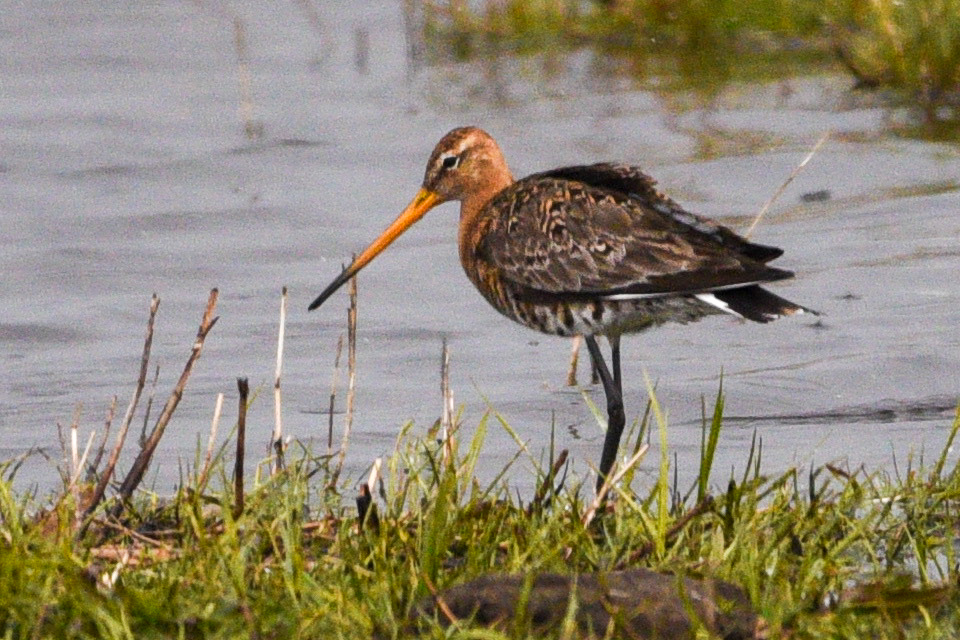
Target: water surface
(126, 170)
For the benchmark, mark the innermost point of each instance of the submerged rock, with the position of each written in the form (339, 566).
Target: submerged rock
(637, 603)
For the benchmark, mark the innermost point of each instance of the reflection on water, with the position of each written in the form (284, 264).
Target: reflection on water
(127, 170)
(707, 46)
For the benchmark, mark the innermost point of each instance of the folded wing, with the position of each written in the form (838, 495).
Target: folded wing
(604, 230)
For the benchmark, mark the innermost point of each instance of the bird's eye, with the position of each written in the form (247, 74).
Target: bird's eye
(451, 162)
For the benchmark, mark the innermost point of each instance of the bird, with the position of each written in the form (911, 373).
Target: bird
(588, 250)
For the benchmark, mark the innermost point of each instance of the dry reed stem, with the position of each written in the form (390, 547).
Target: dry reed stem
(139, 556)
(446, 394)
(333, 393)
(244, 388)
(326, 526)
(135, 475)
(149, 408)
(80, 462)
(74, 487)
(610, 481)
(128, 415)
(62, 467)
(95, 464)
(351, 356)
(793, 174)
(74, 428)
(109, 580)
(277, 444)
(441, 603)
(70, 481)
(208, 456)
(647, 547)
(104, 551)
(546, 488)
(351, 378)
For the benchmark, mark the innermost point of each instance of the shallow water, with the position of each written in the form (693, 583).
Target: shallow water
(125, 171)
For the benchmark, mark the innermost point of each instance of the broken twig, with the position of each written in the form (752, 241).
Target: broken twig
(95, 463)
(128, 416)
(244, 390)
(793, 174)
(135, 475)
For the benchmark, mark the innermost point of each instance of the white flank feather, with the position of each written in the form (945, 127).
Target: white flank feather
(714, 301)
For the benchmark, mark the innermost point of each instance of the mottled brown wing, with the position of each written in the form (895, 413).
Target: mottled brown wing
(632, 181)
(562, 235)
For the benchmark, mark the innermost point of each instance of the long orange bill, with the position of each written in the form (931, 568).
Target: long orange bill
(422, 202)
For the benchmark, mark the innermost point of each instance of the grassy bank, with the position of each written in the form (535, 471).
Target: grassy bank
(911, 48)
(291, 548)
(827, 552)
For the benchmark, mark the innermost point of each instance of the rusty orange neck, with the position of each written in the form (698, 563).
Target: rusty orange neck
(474, 214)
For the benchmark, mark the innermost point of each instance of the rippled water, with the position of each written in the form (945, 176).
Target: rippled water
(125, 170)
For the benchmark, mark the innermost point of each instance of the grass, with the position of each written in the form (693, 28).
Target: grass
(294, 552)
(911, 48)
(821, 553)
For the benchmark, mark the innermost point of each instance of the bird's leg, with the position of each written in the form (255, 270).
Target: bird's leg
(615, 414)
(615, 359)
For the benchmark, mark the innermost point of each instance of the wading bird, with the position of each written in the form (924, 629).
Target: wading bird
(592, 250)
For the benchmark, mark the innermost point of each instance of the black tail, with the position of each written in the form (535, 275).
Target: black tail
(758, 304)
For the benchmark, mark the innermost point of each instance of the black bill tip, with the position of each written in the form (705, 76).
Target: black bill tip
(338, 282)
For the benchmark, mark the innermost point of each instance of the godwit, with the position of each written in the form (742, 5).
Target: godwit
(586, 250)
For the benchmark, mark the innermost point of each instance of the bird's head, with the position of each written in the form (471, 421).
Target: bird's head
(466, 163)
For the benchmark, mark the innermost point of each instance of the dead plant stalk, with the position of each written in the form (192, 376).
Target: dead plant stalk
(111, 411)
(446, 393)
(74, 487)
(333, 393)
(128, 415)
(793, 174)
(139, 468)
(74, 428)
(208, 457)
(351, 376)
(149, 407)
(244, 390)
(277, 406)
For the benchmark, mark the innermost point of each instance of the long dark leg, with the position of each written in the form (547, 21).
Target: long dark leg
(615, 414)
(615, 360)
